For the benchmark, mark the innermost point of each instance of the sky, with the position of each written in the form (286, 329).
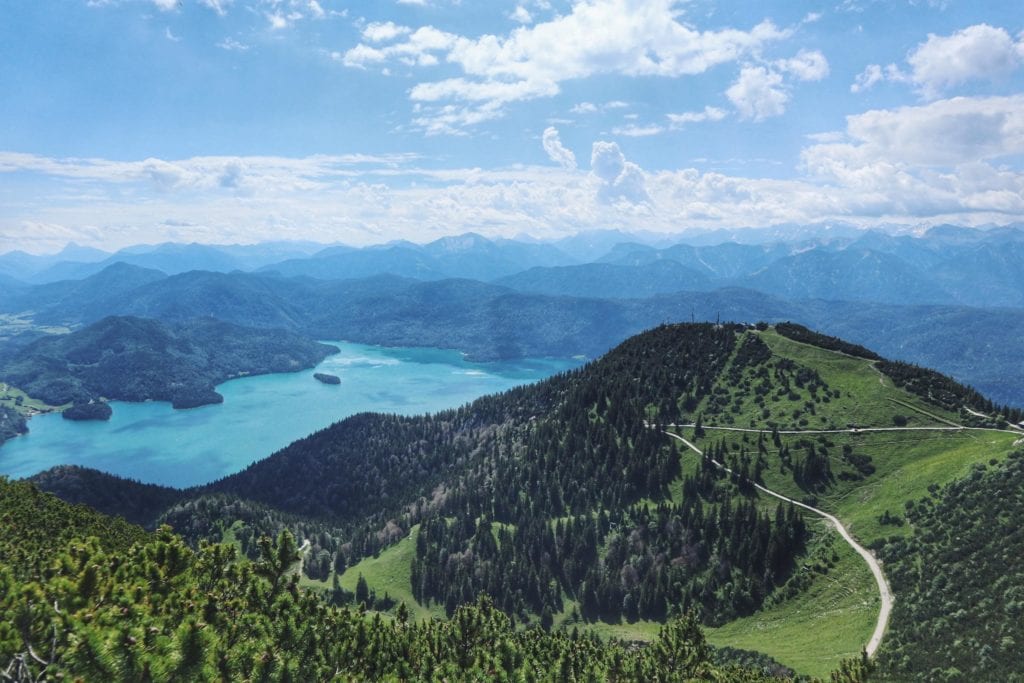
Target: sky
(236, 121)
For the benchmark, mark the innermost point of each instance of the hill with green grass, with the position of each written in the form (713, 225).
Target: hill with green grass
(573, 507)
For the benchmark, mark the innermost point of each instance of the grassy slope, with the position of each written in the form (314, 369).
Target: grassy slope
(29, 406)
(810, 633)
(834, 618)
(390, 572)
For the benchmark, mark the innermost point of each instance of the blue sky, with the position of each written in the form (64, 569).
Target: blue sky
(131, 121)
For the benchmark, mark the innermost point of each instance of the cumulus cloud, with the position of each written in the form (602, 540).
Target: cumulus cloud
(556, 151)
(625, 37)
(807, 65)
(165, 5)
(521, 15)
(758, 93)
(761, 92)
(970, 130)
(979, 52)
(621, 180)
(976, 53)
(377, 32)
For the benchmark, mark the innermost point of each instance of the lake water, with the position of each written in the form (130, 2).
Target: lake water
(154, 443)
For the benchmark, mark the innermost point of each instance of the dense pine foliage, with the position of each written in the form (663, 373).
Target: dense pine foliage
(35, 525)
(123, 607)
(94, 410)
(137, 502)
(959, 579)
(802, 334)
(944, 391)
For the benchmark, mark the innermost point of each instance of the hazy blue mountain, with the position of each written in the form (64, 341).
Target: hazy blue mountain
(240, 298)
(173, 258)
(73, 301)
(914, 251)
(784, 233)
(25, 266)
(10, 287)
(608, 280)
(462, 256)
(847, 275)
(723, 262)
(985, 274)
(591, 245)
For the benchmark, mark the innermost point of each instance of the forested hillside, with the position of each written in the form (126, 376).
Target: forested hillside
(12, 423)
(960, 578)
(134, 359)
(122, 606)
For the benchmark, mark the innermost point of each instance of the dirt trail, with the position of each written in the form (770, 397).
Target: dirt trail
(876, 568)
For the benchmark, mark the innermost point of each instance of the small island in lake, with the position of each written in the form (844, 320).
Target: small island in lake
(327, 379)
(94, 410)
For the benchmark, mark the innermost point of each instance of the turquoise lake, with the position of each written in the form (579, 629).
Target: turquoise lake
(154, 443)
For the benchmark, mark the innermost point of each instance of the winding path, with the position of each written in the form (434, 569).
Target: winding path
(876, 569)
(848, 430)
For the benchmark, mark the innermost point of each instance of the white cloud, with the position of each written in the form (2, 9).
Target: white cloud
(807, 65)
(867, 79)
(277, 21)
(556, 151)
(377, 32)
(521, 15)
(708, 114)
(203, 173)
(316, 10)
(232, 45)
(625, 37)
(170, 36)
(758, 93)
(621, 180)
(218, 6)
(976, 53)
(591, 108)
(419, 48)
(979, 52)
(166, 5)
(943, 133)
(635, 131)
(365, 199)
